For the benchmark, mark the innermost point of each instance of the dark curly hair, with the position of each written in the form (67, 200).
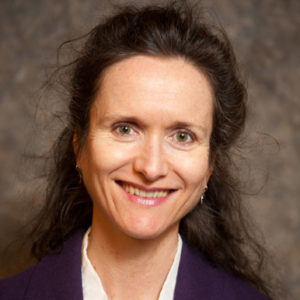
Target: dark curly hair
(218, 228)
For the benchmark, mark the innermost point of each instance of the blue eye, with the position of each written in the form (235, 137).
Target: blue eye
(183, 137)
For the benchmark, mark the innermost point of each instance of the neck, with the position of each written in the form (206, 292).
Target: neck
(129, 267)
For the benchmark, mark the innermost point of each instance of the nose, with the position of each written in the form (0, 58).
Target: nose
(150, 161)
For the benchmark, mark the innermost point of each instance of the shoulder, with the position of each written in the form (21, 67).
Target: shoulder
(196, 276)
(15, 287)
(56, 276)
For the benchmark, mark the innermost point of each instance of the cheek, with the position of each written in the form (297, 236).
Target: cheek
(194, 169)
(107, 156)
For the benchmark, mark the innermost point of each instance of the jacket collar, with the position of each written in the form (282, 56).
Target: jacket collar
(59, 277)
(193, 275)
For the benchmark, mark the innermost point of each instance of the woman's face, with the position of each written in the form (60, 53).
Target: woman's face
(145, 162)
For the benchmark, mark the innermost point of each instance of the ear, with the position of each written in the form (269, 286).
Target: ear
(211, 164)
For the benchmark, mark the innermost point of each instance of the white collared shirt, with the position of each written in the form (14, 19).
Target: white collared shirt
(93, 288)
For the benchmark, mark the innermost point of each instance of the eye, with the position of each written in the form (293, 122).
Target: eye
(124, 129)
(183, 137)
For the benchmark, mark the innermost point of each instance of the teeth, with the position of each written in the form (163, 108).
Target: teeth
(151, 194)
(138, 192)
(130, 189)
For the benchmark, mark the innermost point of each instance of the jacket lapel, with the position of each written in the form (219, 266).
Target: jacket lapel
(198, 279)
(189, 283)
(58, 276)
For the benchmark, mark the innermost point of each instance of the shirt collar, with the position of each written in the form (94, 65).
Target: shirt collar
(92, 285)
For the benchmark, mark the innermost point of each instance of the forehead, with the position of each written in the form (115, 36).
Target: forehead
(168, 86)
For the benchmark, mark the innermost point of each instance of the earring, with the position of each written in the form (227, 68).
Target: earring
(203, 196)
(79, 174)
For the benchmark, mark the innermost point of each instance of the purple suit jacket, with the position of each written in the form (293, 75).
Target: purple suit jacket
(58, 276)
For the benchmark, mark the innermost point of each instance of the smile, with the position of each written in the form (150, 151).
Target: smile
(136, 191)
(152, 197)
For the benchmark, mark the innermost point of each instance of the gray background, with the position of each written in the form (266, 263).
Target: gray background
(266, 37)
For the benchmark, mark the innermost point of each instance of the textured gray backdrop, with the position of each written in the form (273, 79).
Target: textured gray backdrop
(266, 38)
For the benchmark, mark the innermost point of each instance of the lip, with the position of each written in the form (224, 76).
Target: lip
(144, 188)
(145, 201)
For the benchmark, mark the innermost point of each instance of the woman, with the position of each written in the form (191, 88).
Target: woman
(141, 203)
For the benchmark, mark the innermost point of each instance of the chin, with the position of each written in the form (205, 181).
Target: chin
(145, 229)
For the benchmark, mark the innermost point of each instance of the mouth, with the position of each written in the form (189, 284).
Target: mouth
(140, 195)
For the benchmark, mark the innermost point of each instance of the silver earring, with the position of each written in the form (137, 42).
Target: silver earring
(203, 196)
(202, 199)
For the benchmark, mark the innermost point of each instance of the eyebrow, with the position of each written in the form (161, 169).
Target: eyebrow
(123, 118)
(137, 121)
